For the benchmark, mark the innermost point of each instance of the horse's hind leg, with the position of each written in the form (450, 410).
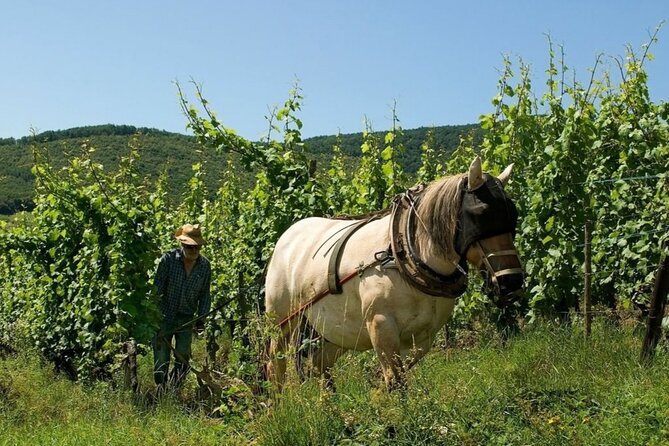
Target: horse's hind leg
(385, 337)
(276, 363)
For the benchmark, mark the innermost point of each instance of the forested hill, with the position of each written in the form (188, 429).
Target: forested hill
(86, 132)
(174, 152)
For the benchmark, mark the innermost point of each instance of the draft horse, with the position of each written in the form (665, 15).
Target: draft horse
(401, 271)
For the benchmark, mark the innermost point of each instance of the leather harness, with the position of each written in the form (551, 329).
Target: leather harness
(402, 250)
(402, 253)
(334, 284)
(402, 243)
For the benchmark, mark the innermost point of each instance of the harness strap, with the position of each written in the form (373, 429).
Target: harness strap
(505, 272)
(322, 294)
(334, 284)
(508, 271)
(506, 252)
(503, 253)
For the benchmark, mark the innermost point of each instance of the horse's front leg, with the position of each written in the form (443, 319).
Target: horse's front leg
(385, 337)
(276, 353)
(324, 359)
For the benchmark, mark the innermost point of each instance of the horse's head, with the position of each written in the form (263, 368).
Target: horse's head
(486, 229)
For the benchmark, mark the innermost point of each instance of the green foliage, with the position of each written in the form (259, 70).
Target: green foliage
(432, 161)
(445, 140)
(583, 153)
(176, 153)
(337, 183)
(284, 191)
(369, 182)
(160, 151)
(81, 269)
(95, 233)
(77, 271)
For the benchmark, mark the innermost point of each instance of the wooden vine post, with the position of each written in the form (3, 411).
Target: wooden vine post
(656, 311)
(130, 365)
(587, 282)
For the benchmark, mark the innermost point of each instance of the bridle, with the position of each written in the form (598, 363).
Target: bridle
(491, 283)
(486, 211)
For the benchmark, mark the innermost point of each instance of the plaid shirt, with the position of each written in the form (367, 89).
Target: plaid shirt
(181, 295)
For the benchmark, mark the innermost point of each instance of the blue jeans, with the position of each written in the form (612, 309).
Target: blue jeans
(162, 349)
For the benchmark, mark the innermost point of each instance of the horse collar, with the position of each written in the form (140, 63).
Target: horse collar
(415, 270)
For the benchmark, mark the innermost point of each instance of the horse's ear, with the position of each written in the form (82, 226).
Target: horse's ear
(505, 175)
(475, 174)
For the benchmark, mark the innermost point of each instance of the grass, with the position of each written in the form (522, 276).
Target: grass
(547, 386)
(40, 408)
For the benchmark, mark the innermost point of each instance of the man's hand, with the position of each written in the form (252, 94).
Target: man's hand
(199, 326)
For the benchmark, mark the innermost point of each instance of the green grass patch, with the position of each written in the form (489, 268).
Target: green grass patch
(547, 386)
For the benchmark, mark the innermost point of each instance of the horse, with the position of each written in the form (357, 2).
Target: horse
(404, 269)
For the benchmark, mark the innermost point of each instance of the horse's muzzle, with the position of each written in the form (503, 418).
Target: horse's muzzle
(503, 280)
(510, 284)
(505, 289)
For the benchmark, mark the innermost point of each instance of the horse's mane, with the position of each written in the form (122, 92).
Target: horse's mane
(438, 210)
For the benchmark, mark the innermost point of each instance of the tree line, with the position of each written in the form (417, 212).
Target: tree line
(168, 151)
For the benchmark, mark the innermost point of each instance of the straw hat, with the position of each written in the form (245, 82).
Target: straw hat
(190, 235)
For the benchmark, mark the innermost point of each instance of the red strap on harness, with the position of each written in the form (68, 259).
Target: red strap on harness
(315, 299)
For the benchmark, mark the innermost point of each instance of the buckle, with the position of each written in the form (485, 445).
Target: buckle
(384, 257)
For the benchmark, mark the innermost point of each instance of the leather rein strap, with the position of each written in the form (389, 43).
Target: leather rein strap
(414, 270)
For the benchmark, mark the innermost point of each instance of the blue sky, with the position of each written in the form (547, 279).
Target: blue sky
(71, 63)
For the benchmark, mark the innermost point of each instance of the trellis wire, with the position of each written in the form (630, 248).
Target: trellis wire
(629, 236)
(613, 180)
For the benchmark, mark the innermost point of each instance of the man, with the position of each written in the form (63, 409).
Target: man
(182, 281)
